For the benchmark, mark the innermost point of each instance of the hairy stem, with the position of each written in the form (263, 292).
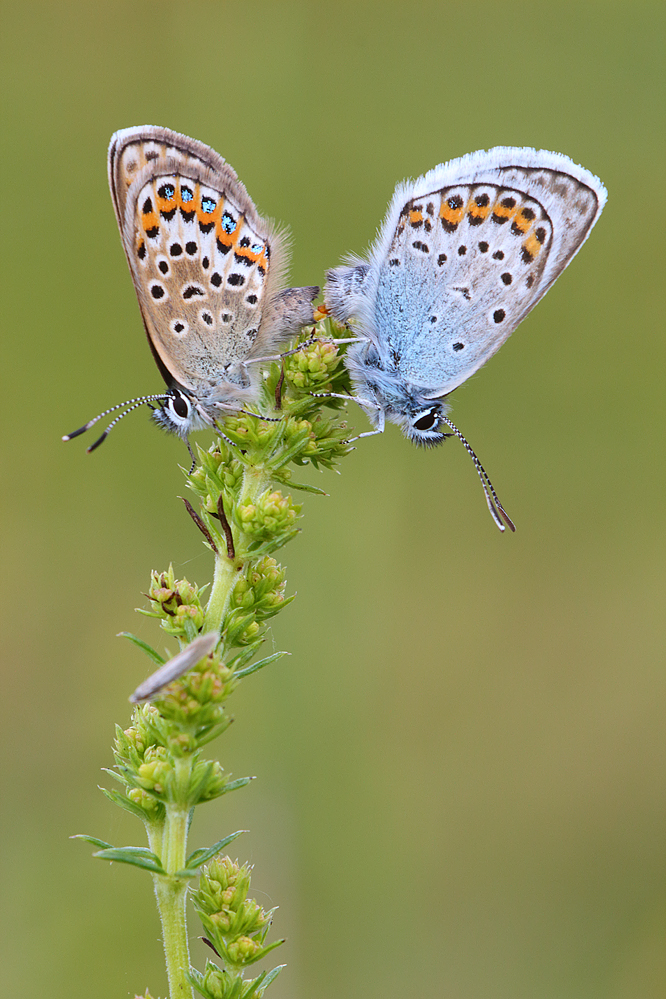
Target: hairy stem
(171, 892)
(224, 580)
(255, 481)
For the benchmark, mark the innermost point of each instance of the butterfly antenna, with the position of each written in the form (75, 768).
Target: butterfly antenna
(137, 403)
(121, 405)
(497, 511)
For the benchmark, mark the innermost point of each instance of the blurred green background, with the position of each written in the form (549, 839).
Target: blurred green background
(461, 767)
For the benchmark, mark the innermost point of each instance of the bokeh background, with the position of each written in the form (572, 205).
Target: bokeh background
(461, 766)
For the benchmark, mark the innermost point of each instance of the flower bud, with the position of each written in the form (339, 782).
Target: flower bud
(270, 516)
(243, 949)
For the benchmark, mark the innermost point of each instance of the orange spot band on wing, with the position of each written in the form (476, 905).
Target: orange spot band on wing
(149, 221)
(221, 234)
(522, 223)
(452, 210)
(207, 217)
(165, 204)
(477, 211)
(263, 261)
(502, 212)
(194, 204)
(532, 246)
(246, 253)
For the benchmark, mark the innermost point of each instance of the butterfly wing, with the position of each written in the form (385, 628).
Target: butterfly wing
(206, 266)
(465, 252)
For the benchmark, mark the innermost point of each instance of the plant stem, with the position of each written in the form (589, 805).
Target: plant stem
(171, 892)
(224, 580)
(255, 481)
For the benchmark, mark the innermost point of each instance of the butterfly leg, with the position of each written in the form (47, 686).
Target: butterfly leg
(304, 346)
(229, 409)
(371, 433)
(323, 339)
(367, 433)
(259, 416)
(279, 386)
(287, 353)
(364, 403)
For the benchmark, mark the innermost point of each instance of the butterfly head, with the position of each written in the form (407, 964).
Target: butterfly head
(179, 415)
(392, 397)
(420, 421)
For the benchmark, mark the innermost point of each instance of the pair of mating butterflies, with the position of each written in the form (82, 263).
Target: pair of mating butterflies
(465, 252)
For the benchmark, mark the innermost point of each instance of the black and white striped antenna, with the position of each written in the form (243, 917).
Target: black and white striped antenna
(131, 403)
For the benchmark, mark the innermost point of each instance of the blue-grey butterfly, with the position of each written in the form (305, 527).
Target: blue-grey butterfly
(465, 252)
(208, 271)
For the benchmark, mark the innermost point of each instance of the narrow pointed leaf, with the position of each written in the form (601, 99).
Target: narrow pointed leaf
(264, 951)
(196, 979)
(206, 737)
(306, 488)
(124, 802)
(253, 667)
(116, 776)
(235, 784)
(272, 975)
(99, 843)
(190, 629)
(135, 855)
(244, 657)
(259, 550)
(202, 856)
(255, 985)
(148, 649)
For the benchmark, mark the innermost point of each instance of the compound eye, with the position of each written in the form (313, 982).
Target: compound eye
(180, 406)
(427, 421)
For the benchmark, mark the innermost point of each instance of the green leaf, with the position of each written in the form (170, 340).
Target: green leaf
(204, 736)
(268, 547)
(190, 629)
(114, 773)
(196, 979)
(244, 657)
(137, 856)
(263, 952)
(202, 856)
(124, 802)
(272, 975)
(233, 785)
(253, 667)
(263, 981)
(148, 649)
(254, 985)
(285, 456)
(93, 841)
(304, 487)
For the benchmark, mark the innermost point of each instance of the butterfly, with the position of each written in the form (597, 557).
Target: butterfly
(208, 272)
(464, 253)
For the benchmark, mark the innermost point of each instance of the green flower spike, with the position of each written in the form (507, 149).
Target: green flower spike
(235, 925)
(246, 513)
